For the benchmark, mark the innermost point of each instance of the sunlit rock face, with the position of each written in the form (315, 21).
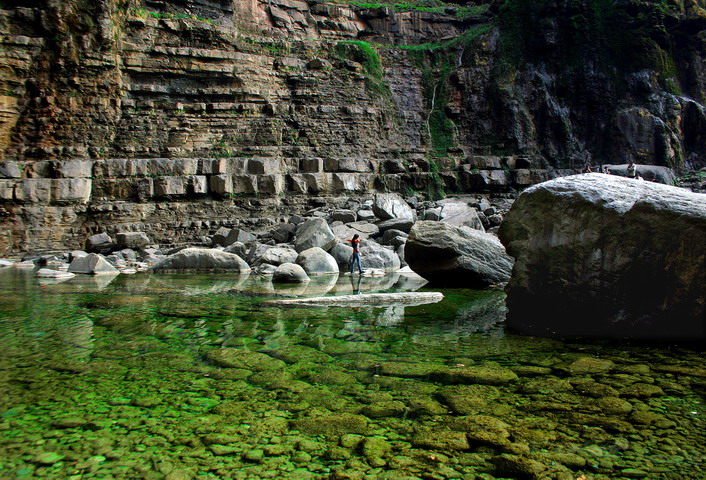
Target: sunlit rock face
(606, 256)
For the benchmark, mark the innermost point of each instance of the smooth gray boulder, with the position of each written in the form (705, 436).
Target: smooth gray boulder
(99, 243)
(133, 240)
(290, 273)
(397, 298)
(387, 206)
(202, 260)
(238, 235)
(49, 273)
(341, 253)
(456, 256)
(403, 224)
(314, 233)
(372, 256)
(277, 256)
(92, 264)
(458, 212)
(316, 261)
(606, 256)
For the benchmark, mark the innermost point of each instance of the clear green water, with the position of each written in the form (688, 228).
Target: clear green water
(177, 377)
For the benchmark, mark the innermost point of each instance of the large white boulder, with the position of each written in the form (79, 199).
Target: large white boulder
(607, 256)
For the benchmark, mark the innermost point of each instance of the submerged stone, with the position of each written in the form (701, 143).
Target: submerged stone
(385, 409)
(485, 375)
(47, 458)
(241, 358)
(332, 425)
(440, 439)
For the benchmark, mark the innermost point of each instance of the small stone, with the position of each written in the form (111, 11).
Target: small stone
(223, 450)
(47, 458)
(254, 455)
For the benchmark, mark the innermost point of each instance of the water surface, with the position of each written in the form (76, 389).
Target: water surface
(196, 376)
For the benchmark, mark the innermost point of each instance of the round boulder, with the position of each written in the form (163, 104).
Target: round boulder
(290, 273)
(316, 261)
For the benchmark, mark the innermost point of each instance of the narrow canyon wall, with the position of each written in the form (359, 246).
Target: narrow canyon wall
(177, 117)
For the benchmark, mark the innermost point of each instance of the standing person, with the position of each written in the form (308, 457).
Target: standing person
(355, 243)
(632, 170)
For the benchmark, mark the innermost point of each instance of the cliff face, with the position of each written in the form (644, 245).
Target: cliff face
(177, 116)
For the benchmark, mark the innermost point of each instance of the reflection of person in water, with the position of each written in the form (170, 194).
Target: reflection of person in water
(355, 284)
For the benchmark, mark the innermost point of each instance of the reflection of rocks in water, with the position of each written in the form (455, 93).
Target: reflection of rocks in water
(199, 285)
(409, 281)
(390, 316)
(320, 285)
(90, 282)
(289, 289)
(47, 282)
(485, 315)
(76, 338)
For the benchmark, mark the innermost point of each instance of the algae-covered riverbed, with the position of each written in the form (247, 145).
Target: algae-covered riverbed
(181, 377)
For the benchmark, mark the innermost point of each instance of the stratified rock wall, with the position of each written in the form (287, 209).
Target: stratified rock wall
(176, 117)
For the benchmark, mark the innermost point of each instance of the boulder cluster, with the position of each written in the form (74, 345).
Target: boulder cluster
(444, 239)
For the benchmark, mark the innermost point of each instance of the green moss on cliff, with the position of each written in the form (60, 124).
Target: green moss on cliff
(367, 56)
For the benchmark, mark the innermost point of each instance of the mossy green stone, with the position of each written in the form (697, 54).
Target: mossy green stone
(392, 408)
(408, 370)
(484, 375)
(302, 353)
(440, 439)
(47, 458)
(332, 425)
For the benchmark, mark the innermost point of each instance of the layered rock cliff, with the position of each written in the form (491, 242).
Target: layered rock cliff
(178, 116)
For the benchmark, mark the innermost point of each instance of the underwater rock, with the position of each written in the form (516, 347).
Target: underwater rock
(456, 256)
(47, 458)
(393, 408)
(440, 439)
(590, 366)
(482, 429)
(482, 374)
(332, 425)
(241, 358)
(628, 261)
(641, 390)
(467, 399)
(408, 369)
(507, 464)
(302, 353)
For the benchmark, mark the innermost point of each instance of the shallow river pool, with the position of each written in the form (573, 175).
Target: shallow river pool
(197, 377)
